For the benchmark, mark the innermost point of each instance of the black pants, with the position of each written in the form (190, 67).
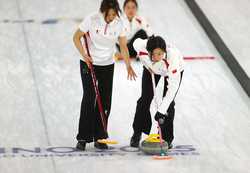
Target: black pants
(142, 120)
(90, 124)
(139, 34)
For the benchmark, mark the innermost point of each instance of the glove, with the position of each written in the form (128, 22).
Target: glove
(160, 117)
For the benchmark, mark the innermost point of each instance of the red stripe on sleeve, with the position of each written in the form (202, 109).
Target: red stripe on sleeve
(174, 71)
(143, 53)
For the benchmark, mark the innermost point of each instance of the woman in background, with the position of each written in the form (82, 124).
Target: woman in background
(135, 27)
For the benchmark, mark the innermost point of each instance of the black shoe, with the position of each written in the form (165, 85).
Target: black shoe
(81, 145)
(101, 146)
(170, 146)
(135, 140)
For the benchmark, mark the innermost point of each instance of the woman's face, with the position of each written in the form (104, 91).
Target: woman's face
(157, 55)
(130, 10)
(110, 16)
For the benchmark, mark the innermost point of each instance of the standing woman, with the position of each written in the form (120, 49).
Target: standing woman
(135, 26)
(102, 30)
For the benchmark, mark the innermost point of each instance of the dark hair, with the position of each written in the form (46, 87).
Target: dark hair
(155, 42)
(106, 5)
(127, 1)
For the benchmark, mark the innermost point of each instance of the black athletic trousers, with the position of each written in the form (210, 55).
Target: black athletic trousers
(90, 125)
(139, 34)
(142, 120)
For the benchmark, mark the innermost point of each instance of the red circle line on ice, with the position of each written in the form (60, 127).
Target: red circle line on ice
(199, 58)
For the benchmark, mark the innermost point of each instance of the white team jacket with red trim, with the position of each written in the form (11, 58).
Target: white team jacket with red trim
(135, 25)
(102, 37)
(171, 67)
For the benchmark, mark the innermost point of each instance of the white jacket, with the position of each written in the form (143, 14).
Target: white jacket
(171, 67)
(135, 25)
(102, 37)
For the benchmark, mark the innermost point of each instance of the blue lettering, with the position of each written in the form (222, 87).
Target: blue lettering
(2, 150)
(183, 148)
(62, 149)
(129, 149)
(17, 150)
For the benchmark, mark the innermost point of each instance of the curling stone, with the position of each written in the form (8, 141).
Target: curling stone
(152, 145)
